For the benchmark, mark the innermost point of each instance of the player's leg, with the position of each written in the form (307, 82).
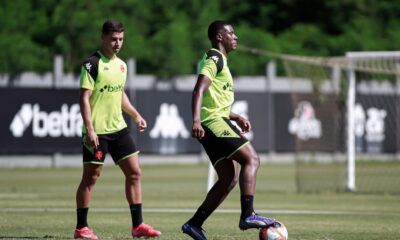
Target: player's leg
(133, 188)
(125, 154)
(227, 179)
(93, 160)
(131, 169)
(91, 172)
(250, 162)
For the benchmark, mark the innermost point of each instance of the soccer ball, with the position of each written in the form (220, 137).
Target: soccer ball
(277, 231)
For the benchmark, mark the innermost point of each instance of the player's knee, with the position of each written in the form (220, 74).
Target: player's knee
(95, 177)
(90, 179)
(255, 161)
(134, 175)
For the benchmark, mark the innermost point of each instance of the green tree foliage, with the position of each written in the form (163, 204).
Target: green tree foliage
(168, 38)
(246, 64)
(23, 42)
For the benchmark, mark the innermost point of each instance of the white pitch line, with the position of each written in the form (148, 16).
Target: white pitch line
(192, 210)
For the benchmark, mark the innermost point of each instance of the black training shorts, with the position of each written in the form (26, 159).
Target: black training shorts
(120, 145)
(221, 140)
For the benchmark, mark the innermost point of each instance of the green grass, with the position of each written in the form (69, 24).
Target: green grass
(39, 203)
(371, 176)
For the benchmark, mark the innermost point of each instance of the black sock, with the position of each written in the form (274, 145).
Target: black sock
(199, 217)
(81, 216)
(136, 214)
(246, 202)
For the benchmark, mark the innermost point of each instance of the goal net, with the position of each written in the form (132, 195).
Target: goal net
(351, 139)
(318, 114)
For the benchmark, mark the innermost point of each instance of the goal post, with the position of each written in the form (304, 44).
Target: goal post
(351, 161)
(369, 127)
(375, 65)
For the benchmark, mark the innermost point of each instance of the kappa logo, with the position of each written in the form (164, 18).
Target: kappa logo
(215, 59)
(169, 124)
(67, 122)
(226, 133)
(88, 66)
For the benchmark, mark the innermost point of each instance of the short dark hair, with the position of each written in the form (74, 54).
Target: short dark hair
(111, 26)
(215, 28)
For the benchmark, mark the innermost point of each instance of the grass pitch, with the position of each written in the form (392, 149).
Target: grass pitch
(39, 203)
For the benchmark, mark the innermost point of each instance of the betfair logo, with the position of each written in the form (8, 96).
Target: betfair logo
(228, 86)
(109, 88)
(226, 133)
(66, 122)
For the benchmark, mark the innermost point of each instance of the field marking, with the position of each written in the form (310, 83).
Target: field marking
(192, 210)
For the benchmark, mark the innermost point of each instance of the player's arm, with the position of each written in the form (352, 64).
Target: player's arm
(128, 108)
(86, 112)
(242, 122)
(202, 84)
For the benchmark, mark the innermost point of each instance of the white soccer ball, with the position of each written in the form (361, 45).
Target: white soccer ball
(277, 231)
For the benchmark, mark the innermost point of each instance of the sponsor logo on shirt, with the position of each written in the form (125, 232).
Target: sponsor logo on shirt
(228, 86)
(111, 88)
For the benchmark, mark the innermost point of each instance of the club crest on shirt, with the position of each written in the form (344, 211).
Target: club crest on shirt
(122, 68)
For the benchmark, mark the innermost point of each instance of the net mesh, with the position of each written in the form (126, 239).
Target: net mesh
(321, 161)
(317, 169)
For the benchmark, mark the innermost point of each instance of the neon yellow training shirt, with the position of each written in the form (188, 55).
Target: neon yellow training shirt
(218, 99)
(106, 78)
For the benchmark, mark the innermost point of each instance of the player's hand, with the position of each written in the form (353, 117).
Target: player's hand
(197, 130)
(141, 123)
(92, 139)
(244, 124)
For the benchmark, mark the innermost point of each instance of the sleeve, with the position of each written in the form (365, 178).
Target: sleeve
(89, 71)
(211, 64)
(86, 80)
(209, 69)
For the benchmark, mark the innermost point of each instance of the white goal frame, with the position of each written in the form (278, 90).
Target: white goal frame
(351, 100)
